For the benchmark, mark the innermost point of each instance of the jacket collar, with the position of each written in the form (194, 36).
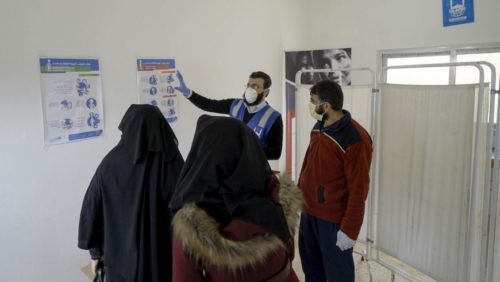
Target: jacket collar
(338, 125)
(200, 235)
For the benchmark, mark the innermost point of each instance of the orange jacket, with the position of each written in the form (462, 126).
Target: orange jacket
(335, 174)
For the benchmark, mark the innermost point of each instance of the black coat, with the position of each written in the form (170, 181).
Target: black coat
(125, 210)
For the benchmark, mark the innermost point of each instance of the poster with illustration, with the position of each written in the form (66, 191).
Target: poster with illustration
(156, 79)
(335, 59)
(338, 60)
(72, 99)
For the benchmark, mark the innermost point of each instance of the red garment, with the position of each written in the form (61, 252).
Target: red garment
(238, 231)
(241, 251)
(335, 174)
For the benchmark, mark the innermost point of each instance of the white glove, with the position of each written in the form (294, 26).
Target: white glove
(186, 92)
(344, 242)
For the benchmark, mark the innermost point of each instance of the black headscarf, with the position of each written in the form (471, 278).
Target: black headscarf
(226, 173)
(145, 130)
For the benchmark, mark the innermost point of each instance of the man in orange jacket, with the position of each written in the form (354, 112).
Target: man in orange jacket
(334, 180)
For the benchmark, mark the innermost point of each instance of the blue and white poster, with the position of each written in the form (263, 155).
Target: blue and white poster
(156, 79)
(458, 12)
(72, 99)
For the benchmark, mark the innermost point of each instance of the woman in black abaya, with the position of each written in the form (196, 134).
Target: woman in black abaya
(125, 218)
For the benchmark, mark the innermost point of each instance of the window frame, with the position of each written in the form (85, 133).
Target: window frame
(452, 51)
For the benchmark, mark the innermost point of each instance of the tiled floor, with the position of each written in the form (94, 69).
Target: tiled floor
(364, 269)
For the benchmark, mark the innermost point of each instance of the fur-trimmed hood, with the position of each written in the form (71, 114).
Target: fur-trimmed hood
(200, 237)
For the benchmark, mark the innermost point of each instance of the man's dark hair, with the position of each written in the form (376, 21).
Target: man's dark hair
(264, 76)
(329, 91)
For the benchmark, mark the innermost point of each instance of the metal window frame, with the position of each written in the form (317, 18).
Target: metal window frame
(452, 51)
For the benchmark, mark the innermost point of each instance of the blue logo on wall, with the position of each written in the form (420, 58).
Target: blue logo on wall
(457, 12)
(154, 103)
(170, 89)
(93, 120)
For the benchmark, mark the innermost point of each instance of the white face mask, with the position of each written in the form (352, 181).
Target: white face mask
(251, 95)
(314, 114)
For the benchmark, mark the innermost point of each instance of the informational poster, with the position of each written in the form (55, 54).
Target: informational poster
(156, 80)
(337, 59)
(72, 99)
(458, 12)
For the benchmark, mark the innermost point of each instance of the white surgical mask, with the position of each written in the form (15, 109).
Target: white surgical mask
(314, 114)
(251, 95)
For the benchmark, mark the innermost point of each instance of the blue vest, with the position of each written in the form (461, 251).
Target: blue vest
(260, 123)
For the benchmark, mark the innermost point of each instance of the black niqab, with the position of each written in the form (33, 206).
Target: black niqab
(226, 173)
(145, 130)
(125, 210)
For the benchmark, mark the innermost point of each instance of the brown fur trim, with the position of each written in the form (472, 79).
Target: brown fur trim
(291, 200)
(201, 240)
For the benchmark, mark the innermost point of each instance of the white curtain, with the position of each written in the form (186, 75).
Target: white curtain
(496, 250)
(357, 100)
(305, 124)
(425, 144)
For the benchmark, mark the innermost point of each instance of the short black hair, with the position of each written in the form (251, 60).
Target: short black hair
(264, 76)
(329, 91)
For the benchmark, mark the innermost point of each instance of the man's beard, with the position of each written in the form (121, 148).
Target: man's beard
(260, 98)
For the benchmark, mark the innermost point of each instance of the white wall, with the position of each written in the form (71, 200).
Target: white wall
(216, 43)
(369, 26)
